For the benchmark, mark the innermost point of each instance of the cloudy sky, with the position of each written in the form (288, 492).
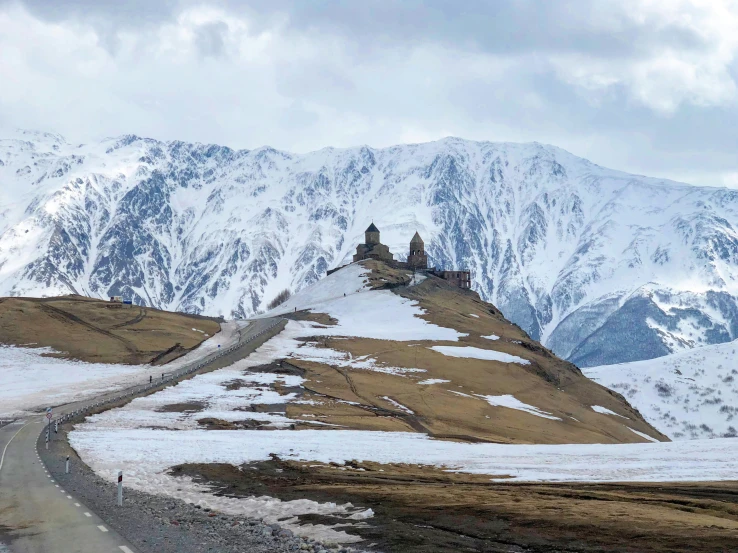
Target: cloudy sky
(647, 86)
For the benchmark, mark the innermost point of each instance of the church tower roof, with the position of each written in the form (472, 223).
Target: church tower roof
(372, 228)
(417, 239)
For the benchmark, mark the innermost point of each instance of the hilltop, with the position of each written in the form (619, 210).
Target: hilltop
(380, 349)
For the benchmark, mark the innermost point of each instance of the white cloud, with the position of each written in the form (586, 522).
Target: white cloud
(667, 75)
(620, 82)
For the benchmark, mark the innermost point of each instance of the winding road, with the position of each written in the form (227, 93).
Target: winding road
(36, 514)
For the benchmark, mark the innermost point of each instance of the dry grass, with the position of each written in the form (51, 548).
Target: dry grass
(548, 383)
(422, 509)
(95, 331)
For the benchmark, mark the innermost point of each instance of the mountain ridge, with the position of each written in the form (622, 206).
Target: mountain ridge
(600, 265)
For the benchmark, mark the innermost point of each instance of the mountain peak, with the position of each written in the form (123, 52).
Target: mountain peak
(560, 245)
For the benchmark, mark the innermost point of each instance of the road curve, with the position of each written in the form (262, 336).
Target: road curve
(36, 514)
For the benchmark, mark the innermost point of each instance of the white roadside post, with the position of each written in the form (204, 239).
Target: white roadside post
(48, 427)
(120, 488)
(67, 465)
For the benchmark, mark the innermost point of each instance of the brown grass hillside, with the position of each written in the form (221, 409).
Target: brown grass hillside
(94, 330)
(456, 410)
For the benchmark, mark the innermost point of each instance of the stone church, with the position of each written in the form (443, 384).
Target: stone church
(372, 248)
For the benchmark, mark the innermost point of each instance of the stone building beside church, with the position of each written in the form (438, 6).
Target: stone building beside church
(417, 260)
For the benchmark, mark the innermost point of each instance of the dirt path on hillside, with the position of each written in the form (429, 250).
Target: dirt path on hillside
(424, 510)
(69, 317)
(99, 331)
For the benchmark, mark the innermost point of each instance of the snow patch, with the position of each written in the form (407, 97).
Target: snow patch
(478, 353)
(642, 435)
(511, 402)
(605, 411)
(364, 313)
(399, 405)
(31, 381)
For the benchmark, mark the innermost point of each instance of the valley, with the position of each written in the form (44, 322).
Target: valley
(599, 265)
(394, 276)
(389, 409)
(350, 427)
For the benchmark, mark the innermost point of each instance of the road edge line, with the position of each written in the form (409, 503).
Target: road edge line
(2, 458)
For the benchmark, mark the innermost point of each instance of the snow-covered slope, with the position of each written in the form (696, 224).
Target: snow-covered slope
(686, 395)
(599, 265)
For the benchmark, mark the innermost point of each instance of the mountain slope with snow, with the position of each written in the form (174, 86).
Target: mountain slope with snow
(599, 265)
(686, 395)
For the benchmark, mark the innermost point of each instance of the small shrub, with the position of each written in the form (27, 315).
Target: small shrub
(663, 389)
(279, 299)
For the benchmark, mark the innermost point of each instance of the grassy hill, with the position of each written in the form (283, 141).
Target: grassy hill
(459, 371)
(101, 332)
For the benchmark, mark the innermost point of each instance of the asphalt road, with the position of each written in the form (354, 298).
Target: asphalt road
(36, 514)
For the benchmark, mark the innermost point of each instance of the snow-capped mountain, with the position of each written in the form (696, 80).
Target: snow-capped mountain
(601, 266)
(686, 395)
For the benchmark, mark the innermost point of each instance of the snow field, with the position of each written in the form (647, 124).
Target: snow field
(31, 381)
(145, 454)
(349, 280)
(688, 395)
